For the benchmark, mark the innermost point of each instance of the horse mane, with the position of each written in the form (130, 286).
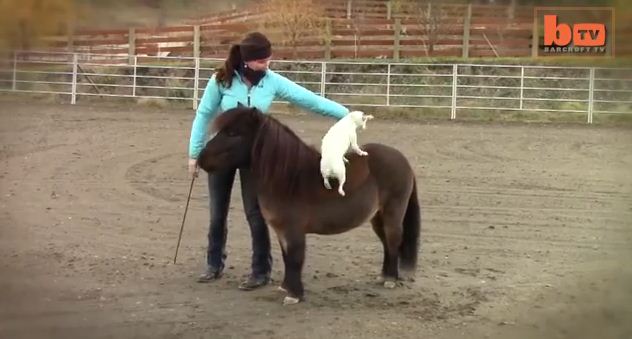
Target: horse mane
(232, 116)
(283, 163)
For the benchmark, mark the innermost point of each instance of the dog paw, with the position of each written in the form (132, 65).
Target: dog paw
(341, 192)
(363, 153)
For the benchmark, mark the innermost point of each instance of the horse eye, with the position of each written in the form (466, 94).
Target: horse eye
(231, 133)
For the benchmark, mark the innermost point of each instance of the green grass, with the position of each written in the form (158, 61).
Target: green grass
(542, 61)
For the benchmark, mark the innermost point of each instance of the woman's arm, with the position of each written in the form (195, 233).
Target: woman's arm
(301, 96)
(206, 111)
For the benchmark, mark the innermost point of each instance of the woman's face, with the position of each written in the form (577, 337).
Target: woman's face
(258, 65)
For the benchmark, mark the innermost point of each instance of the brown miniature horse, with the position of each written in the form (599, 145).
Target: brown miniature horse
(381, 187)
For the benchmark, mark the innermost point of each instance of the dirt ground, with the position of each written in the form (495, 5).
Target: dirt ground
(526, 234)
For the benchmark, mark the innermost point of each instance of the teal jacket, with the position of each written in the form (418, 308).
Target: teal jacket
(217, 98)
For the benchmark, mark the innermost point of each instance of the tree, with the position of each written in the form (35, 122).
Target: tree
(432, 18)
(24, 22)
(288, 22)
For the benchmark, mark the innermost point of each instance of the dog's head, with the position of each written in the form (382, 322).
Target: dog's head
(359, 118)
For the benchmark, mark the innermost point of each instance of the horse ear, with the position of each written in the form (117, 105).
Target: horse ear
(240, 105)
(255, 114)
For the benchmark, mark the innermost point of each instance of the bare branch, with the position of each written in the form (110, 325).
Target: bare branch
(289, 22)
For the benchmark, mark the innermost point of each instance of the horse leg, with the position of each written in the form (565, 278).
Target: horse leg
(294, 257)
(392, 221)
(378, 228)
(283, 286)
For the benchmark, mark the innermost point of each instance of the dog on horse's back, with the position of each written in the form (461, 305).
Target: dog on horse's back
(341, 137)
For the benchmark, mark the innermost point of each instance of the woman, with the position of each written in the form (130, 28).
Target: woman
(246, 79)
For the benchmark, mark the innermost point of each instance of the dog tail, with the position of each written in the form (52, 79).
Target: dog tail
(409, 247)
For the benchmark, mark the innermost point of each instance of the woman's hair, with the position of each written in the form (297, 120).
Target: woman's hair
(225, 73)
(254, 46)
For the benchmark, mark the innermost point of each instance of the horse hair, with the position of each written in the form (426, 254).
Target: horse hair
(283, 162)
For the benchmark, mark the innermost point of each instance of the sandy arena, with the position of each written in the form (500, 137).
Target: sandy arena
(526, 234)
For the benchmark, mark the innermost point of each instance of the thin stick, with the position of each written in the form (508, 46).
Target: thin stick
(183, 218)
(490, 45)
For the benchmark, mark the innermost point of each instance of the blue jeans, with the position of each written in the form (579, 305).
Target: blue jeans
(220, 185)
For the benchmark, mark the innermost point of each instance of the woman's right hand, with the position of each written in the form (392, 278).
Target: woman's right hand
(193, 167)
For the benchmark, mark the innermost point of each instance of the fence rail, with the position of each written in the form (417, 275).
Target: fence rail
(364, 29)
(452, 88)
(352, 29)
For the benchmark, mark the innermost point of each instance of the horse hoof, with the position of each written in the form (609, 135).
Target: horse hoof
(407, 276)
(389, 284)
(290, 301)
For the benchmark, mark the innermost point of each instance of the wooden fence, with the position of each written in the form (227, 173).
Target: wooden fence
(373, 30)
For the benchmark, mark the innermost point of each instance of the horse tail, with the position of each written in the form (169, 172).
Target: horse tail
(411, 228)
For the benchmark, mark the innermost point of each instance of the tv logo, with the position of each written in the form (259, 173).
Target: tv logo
(581, 34)
(585, 31)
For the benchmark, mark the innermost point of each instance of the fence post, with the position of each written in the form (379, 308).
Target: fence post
(455, 68)
(388, 85)
(196, 41)
(73, 98)
(534, 37)
(466, 32)
(591, 93)
(511, 9)
(134, 79)
(323, 77)
(70, 31)
(328, 35)
(15, 71)
(389, 9)
(131, 44)
(196, 80)
(348, 9)
(398, 28)
(521, 85)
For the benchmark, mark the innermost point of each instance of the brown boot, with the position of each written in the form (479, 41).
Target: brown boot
(210, 274)
(254, 282)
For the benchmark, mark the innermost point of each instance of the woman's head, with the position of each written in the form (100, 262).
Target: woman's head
(252, 54)
(255, 50)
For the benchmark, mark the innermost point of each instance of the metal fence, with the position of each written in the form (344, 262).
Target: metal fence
(444, 88)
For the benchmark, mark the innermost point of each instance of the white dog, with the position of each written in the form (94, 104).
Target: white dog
(335, 144)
